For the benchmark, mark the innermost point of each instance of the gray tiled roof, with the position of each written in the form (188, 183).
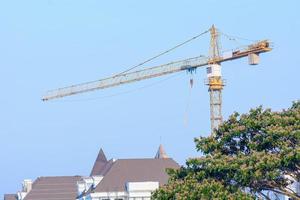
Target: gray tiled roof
(10, 197)
(135, 170)
(54, 188)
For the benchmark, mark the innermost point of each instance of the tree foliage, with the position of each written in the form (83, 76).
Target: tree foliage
(247, 156)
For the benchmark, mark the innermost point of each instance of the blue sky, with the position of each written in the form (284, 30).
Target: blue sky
(46, 44)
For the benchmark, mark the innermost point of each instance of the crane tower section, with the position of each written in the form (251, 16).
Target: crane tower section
(214, 80)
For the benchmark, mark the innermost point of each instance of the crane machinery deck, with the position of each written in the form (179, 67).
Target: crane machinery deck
(214, 76)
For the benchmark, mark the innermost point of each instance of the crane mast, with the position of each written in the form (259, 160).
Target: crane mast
(215, 82)
(214, 77)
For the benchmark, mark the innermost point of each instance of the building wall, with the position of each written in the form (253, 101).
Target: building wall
(134, 191)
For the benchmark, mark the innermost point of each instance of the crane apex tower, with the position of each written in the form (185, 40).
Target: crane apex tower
(215, 82)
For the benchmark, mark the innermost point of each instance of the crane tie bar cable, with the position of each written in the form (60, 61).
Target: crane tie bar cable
(162, 53)
(232, 37)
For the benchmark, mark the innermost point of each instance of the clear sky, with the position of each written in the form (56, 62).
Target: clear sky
(46, 44)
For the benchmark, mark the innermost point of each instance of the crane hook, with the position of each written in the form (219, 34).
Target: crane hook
(191, 82)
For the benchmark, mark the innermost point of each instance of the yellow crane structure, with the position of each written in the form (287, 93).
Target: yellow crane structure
(212, 62)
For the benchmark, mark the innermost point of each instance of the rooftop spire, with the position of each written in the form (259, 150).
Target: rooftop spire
(101, 156)
(161, 153)
(99, 164)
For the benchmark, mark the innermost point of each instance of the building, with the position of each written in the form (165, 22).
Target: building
(124, 179)
(120, 179)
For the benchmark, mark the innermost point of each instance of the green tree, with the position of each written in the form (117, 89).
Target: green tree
(247, 157)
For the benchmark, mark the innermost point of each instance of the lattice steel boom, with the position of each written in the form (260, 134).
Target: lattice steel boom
(127, 77)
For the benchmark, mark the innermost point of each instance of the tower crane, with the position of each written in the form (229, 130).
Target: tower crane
(213, 62)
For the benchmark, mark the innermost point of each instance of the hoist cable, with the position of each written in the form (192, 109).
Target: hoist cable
(187, 107)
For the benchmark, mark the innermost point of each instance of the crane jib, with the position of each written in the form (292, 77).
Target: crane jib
(188, 64)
